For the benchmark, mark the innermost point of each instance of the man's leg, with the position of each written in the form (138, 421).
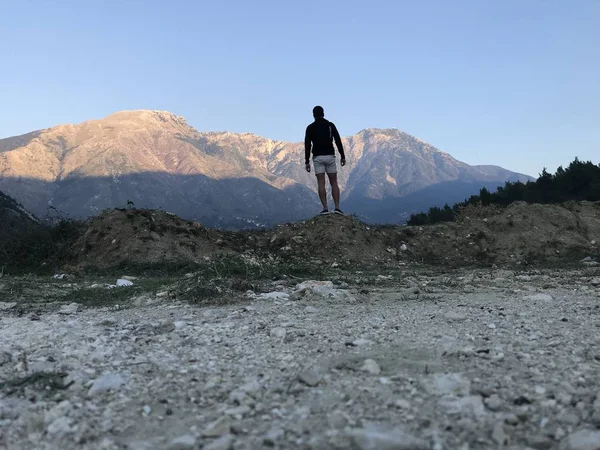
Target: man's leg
(335, 189)
(322, 190)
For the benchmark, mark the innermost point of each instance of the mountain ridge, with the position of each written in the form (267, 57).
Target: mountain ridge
(382, 163)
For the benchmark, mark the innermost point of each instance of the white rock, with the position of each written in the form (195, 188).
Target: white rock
(107, 382)
(402, 404)
(277, 295)
(493, 402)
(491, 326)
(371, 367)
(321, 290)
(403, 247)
(539, 297)
(455, 316)
(59, 276)
(180, 324)
(367, 439)
(582, 440)
(471, 406)
(448, 384)
(278, 332)
(274, 435)
(310, 376)
(121, 282)
(4, 306)
(218, 428)
(361, 341)
(225, 442)
(60, 426)
(71, 308)
(185, 442)
(499, 435)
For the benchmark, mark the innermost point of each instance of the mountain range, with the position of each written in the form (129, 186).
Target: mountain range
(154, 159)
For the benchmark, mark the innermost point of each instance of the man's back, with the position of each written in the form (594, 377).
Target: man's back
(321, 134)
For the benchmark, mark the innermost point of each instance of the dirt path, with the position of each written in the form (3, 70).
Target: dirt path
(477, 360)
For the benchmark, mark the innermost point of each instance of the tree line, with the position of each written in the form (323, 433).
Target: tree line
(579, 181)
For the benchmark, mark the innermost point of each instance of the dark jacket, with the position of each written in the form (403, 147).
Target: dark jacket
(321, 134)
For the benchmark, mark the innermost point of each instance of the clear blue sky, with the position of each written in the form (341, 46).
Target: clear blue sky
(508, 82)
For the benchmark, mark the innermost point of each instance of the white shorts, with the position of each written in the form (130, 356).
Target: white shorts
(324, 164)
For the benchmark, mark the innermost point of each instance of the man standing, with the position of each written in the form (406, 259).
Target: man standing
(321, 134)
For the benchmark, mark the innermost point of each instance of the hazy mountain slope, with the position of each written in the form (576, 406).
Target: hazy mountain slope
(155, 159)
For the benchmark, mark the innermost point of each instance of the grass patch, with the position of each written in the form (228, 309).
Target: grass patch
(101, 296)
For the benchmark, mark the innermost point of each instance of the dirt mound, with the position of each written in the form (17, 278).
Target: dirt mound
(143, 237)
(520, 233)
(331, 238)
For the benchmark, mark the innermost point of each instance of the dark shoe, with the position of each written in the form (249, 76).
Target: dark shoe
(324, 212)
(338, 211)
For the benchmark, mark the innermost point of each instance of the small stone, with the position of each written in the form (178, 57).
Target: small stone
(5, 306)
(448, 384)
(582, 440)
(567, 417)
(366, 439)
(455, 316)
(539, 298)
(338, 420)
(71, 308)
(310, 377)
(595, 281)
(498, 434)
(540, 442)
(540, 390)
(359, 342)
(371, 367)
(185, 442)
(225, 442)
(310, 309)
(491, 326)
(272, 436)
(107, 382)
(511, 419)
(402, 404)
(60, 426)
(121, 282)
(493, 402)
(403, 247)
(146, 410)
(180, 324)
(278, 332)
(218, 428)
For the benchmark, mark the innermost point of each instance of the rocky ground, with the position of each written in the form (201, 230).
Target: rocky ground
(417, 359)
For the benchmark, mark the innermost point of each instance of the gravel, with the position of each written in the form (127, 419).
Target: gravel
(411, 363)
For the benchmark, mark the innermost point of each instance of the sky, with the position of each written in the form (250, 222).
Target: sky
(514, 82)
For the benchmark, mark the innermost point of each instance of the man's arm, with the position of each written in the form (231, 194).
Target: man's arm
(338, 141)
(307, 145)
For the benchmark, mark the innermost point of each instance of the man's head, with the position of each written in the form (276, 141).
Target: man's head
(318, 112)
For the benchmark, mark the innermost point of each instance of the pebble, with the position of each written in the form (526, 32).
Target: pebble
(499, 435)
(493, 402)
(455, 316)
(218, 428)
(366, 439)
(107, 382)
(582, 440)
(71, 308)
(185, 442)
(371, 367)
(310, 377)
(272, 436)
(225, 442)
(278, 332)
